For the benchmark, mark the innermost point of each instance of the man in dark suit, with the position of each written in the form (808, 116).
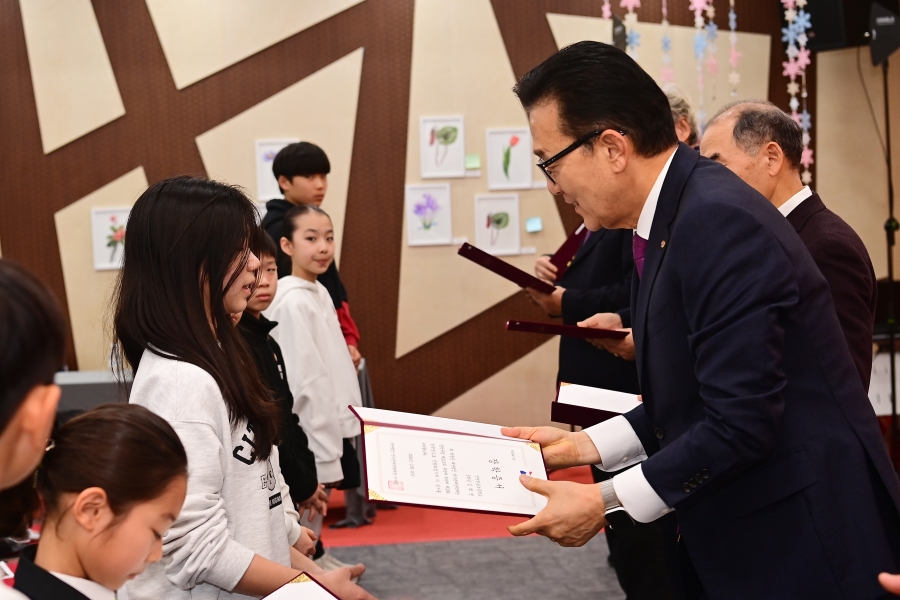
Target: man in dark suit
(755, 428)
(763, 146)
(598, 279)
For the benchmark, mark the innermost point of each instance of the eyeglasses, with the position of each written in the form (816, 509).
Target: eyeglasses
(543, 164)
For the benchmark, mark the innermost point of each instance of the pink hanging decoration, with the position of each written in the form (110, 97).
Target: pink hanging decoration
(798, 59)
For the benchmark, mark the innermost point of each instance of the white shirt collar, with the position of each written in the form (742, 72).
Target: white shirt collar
(645, 221)
(94, 591)
(795, 200)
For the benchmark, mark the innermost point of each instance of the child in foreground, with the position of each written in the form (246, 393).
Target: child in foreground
(32, 341)
(323, 378)
(108, 503)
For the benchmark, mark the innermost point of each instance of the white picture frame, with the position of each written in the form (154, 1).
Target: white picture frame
(509, 158)
(108, 237)
(428, 216)
(442, 147)
(266, 184)
(497, 224)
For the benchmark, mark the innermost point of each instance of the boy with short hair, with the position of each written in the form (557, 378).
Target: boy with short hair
(302, 172)
(298, 464)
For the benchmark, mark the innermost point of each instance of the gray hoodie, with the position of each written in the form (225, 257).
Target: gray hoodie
(236, 507)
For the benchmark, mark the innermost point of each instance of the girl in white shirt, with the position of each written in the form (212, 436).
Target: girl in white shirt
(323, 379)
(112, 482)
(187, 271)
(32, 343)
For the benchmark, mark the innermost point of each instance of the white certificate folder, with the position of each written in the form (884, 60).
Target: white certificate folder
(421, 460)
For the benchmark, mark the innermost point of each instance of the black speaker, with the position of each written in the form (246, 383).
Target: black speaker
(841, 23)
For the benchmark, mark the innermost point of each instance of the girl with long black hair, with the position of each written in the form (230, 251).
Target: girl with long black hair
(187, 269)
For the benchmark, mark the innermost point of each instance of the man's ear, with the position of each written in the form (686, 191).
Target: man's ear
(774, 157)
(615, 148)
(283, 182)
(286, 246)
(91, 509)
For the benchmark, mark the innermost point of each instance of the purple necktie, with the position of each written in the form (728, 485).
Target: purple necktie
(638, 246)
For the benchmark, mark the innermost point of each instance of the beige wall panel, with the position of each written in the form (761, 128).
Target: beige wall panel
(851, 173)
(87, 290)
(202, 37)
(520, 394)
(753, 68)
(74, 87)
(320, 109)
(460, 67)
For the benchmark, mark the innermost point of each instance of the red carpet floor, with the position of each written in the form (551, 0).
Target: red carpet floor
(407, 524)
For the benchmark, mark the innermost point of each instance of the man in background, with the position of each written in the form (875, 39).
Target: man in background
(763, 146)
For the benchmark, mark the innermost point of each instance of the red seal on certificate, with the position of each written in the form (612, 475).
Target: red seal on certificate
(395, 485)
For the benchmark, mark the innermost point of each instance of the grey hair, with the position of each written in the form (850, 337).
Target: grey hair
(759, 122)
(681, 107)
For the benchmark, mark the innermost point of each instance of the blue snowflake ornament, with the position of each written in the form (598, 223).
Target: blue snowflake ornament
(666, 44)
(789, 34)
(699, 45)
(633, 38)
(805, 120)
(732, 20)
(712, 31)
(802, 22)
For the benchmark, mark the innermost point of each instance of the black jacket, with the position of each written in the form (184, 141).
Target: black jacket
(598, 280)
(275, 210)
(38, 584)
(298, 464)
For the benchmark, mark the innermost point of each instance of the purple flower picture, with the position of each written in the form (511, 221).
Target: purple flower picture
(428, 214)
(426, 210)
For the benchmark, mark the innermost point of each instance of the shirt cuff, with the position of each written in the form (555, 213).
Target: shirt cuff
(617, 443)
(637, 497)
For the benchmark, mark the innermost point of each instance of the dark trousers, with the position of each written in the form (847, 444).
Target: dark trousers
(638, 555)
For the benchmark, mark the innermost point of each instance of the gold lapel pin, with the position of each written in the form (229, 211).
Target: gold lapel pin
(662, 244)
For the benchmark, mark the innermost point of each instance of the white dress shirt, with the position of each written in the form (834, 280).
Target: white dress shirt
(94, 591)
(615, 439)
(795, 201)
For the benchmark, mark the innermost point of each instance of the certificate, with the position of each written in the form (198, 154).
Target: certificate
(586, 406)
(566, 330)
(445, 463)
(303, 587)
(504, 269)
(564, 256)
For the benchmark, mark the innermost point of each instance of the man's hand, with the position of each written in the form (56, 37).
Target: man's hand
(890, 582)
(560, 448)
(623, 348)
(544, 269)
(573, 515)
(551, 303)
(306, 543)
(315, 504)
(355, 356)
(338, 581)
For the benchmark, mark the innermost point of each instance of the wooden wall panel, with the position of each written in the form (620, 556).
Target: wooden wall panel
(160, 124)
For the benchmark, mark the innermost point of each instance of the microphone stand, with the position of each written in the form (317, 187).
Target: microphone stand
(890, 227)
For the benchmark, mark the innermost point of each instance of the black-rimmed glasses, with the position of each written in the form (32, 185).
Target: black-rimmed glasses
(543, 164)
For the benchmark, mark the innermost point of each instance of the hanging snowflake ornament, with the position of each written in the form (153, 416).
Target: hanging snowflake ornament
(632, 37)
(666, 74)
(798, 59)
(701, 42)
(606, 11)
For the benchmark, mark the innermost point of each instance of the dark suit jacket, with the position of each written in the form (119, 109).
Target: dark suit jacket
(38, 584)
(844, 261)
(759, 431)
(597, 280)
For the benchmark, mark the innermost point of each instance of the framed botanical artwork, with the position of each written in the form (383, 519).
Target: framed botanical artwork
(497, 224)
(108, 237)
(266, 184)
(509, 159)
(428, 221)
(442, 147)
